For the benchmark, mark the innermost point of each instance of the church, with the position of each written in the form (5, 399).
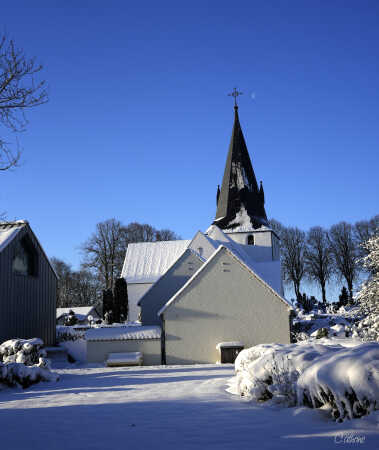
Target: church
(222, 289)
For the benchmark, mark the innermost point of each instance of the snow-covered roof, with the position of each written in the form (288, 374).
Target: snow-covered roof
(231, 344)
(123, 333)
(145, 262)
(8, 231)
(81, 312)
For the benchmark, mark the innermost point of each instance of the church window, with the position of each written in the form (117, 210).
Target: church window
(25, 258)
(250, 240)
(200, 251)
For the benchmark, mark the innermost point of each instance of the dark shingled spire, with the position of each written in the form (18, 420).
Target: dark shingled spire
(239, 188)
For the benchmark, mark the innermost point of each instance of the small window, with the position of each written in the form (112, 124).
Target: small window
(200, 251)
(25, 258)
(250, 240)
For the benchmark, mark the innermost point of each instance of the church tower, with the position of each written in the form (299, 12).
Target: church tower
(241, 210)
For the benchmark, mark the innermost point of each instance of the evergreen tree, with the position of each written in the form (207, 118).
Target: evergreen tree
(108, 303)
(306, 303)
(120, 300)
(344, 297)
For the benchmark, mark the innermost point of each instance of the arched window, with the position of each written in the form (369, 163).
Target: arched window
(250, 239)
(200, 251)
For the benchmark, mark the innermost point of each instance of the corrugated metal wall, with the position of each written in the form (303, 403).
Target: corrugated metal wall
(27, 303)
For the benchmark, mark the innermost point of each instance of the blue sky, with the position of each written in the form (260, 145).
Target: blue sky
(139, 121)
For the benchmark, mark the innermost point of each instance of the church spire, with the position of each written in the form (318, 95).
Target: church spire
(240, 205)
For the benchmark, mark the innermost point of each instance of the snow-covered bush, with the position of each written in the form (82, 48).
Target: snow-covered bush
(333, 323)
(25, 351)
(18, 374)
(65, 333)
(270, 371)
(73, 341)
(24, 363)
(368, 297)
(345, 379)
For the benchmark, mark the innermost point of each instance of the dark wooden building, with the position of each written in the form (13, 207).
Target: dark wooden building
(28, 285)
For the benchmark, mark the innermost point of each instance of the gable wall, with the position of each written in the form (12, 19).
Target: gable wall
(224, 303)
(27, 303)
(201, 242)
(167, 286)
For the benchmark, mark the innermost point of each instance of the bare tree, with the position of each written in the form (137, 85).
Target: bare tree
(143, 232)
(139, 232)
(292, 256)
(75, 288)
(363, 231)
(318, 258)
(18, 92)
(104, 252)
(345, 253)
(166, 235)
(277, 226)
(86, 287)
(64, 294)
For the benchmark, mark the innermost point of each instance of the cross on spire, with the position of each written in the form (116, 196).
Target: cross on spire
(235, 94)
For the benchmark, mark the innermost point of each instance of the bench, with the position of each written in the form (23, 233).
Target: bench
(124, 359)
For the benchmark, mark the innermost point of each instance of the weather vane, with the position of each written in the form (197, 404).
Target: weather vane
(235, 94)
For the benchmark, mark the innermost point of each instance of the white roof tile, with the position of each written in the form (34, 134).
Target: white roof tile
(145, 262)
(124, 333)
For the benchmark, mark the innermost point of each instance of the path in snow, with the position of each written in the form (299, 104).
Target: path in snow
(182, 407)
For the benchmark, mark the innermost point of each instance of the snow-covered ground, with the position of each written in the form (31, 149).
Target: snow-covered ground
(179, 407)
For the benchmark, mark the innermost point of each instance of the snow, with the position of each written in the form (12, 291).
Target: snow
(81, 312)
(340, 374)
(221, 345)
(76, 349)
(146, 262)
(131, 358)
(346, 372)
(8, 234)
(170, 408)
(243, 222)
(18, 374)
(123, 333)
(23, 363)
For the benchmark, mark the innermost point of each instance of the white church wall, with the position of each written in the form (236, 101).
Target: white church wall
(135, 292)
(225, 302)
(161, 292)
(261, 238)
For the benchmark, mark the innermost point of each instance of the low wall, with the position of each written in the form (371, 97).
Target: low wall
(98, 351)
